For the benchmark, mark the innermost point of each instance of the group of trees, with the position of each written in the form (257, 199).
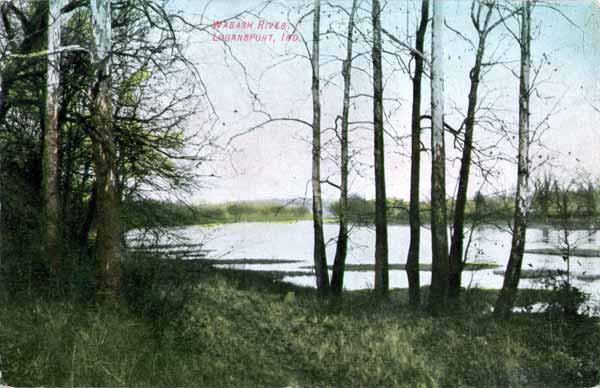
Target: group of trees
(362, 36)
(95, 99)
(583, 198)
(448, 256)
(581, 194)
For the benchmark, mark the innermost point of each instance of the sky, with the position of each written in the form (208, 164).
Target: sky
(274, 161)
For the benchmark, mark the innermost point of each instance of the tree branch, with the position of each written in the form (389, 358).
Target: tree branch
(406, 46)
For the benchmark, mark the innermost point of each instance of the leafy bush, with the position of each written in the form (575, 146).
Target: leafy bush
(566, 300)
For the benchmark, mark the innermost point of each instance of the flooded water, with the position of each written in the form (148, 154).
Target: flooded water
(293, 241)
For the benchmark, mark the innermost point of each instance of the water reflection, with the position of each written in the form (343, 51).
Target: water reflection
(546, 234)
(293, 241)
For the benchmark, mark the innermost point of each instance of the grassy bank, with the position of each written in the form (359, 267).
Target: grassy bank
(211, 327)
(156, 213)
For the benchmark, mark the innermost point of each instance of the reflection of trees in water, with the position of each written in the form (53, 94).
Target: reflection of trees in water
(553, 235)
(546, 235)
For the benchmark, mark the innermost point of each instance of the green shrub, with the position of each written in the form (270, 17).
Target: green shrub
(566, 300)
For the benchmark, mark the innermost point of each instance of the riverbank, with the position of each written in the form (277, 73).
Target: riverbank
(166, 214)
(228, 328)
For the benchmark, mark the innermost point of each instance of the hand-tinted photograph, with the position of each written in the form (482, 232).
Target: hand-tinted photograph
(300, 193)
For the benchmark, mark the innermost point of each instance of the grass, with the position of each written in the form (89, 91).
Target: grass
(229, 328)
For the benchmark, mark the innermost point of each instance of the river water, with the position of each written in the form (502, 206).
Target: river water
(293, 241)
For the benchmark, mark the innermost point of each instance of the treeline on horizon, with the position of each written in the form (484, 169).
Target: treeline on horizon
(155, 213)
(582, 209)
(481, 209)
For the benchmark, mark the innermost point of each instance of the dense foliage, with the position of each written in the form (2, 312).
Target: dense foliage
(154, 93)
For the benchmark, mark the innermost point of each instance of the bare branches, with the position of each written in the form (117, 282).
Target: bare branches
(262, 124)
(406, 46)
(45, 53)
(330, 183)
(447, 126)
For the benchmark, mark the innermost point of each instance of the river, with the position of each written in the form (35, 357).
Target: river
(293, 241)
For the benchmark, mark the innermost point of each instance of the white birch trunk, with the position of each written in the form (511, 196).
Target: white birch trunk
(102, 29)
(523, 195)
(523, 189)
(439, 237)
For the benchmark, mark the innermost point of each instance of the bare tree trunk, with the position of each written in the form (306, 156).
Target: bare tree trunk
(439, 238)
(381, 240)
(319, 254)
(456, 247)
(337, 276)
(412, 260)
(108, 249)
(512, 276)
(50, 174)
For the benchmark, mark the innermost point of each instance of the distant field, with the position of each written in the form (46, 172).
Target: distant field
(155, 213)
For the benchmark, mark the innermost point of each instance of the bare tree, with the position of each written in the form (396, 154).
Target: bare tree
(381, 240)
(542, 200)
(108, 238)
(481, 17)
(319, 254)
(412, 260)
(439, 237)
(563, 201)
(522, 198)
(337, 276)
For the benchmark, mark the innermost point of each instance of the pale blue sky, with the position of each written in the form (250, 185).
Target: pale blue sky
(274, 162)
